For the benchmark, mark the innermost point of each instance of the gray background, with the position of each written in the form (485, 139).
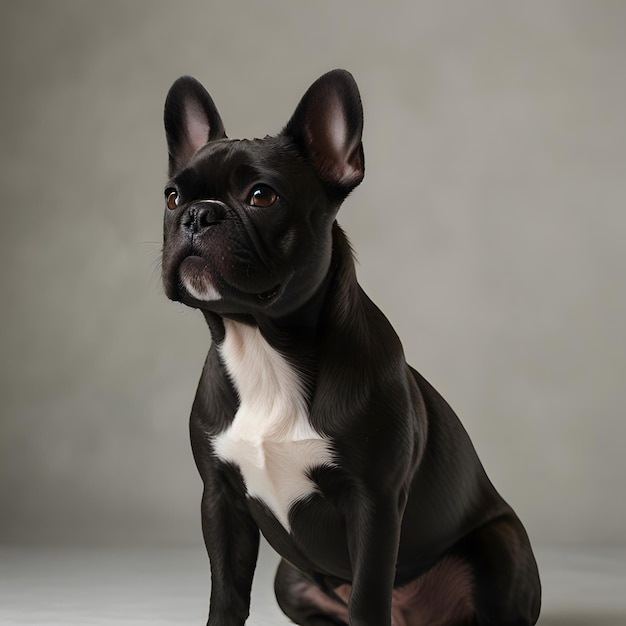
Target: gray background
(489, 228)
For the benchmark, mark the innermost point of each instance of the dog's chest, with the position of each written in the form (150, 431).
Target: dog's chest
(270, 439)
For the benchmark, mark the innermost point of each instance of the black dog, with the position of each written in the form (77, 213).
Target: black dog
(308, 424)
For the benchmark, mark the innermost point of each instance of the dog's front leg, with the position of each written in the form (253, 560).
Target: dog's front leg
(232, 542)
(373, 528)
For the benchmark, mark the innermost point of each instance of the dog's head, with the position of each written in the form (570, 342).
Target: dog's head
(248, 223)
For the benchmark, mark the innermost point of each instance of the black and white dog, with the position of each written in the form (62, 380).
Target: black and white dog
(308, 424)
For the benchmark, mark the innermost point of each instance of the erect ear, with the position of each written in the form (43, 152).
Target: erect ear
(327, 127)
(191, 120)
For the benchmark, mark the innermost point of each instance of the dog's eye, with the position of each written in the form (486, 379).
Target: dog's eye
(262, 196)
(173, 199)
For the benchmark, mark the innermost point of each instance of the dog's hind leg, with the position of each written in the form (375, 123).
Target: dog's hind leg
(304, 601)
(507, 591)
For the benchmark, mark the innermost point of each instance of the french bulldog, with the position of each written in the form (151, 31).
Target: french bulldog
(308, 424)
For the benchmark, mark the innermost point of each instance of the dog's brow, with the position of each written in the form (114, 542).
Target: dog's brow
(183, 177)
(245, 173)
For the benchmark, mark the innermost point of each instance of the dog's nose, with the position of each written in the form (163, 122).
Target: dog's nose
(200, 215)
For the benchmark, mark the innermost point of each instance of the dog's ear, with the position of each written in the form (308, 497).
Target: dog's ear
(327, 127)
(191, 120)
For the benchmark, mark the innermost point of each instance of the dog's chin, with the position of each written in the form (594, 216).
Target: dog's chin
(199, 289)
(195, 278)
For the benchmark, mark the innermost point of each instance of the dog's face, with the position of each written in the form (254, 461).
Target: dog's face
(249, 228)
(247, 224)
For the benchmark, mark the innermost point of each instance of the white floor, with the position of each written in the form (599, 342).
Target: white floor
(65, 587)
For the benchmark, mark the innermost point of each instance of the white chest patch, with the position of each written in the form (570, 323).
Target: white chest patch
(270, 438)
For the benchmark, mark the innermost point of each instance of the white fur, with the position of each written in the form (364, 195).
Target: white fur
(270, 439)
(197, 282)
(207, 293)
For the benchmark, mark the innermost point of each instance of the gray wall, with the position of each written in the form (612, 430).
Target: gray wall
(489, 228)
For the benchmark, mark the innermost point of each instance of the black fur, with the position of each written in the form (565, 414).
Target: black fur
(407, 510)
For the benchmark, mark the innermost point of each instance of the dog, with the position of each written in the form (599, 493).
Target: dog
(308, 425)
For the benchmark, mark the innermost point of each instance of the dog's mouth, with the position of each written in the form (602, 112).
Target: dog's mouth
(198, 283)
(270, 294)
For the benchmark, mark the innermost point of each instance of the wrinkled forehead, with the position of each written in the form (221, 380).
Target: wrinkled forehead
(233, 155)
(239, 163)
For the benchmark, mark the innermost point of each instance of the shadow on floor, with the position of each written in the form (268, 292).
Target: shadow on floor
(588, 619)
